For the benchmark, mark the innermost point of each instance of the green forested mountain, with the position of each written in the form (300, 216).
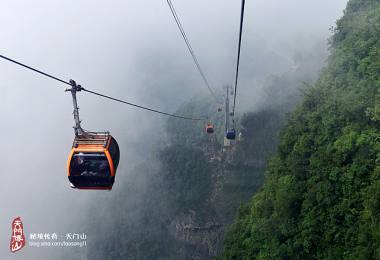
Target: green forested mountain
(321, 196)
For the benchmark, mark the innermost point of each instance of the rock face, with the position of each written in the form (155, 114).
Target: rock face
(181, 206)
(200, 235)
(199, 240)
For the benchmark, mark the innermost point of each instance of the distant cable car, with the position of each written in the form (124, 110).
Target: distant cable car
(93, 161)
(209, 128)
(231, 134)
(94, 156)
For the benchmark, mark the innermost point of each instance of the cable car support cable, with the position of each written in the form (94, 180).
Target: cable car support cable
(238, 56)
(35, 70)
(178, 22)
(79, 88)
(142, 107)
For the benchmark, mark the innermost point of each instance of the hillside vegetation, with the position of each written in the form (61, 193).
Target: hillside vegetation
(321, 196)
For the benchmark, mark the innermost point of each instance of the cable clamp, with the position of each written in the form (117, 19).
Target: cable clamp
(74, 86)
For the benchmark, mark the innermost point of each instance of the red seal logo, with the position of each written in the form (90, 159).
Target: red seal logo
(18, 238)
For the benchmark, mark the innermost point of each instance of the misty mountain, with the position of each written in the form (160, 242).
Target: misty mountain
(179, 203)
(132, 50)
(320, 199)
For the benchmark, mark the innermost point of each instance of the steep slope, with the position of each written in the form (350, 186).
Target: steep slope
(179, 203)
(321, 197)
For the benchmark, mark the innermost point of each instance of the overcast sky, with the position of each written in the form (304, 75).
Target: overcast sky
(131, 50)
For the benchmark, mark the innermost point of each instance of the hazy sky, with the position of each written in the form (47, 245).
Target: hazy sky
(131, 50)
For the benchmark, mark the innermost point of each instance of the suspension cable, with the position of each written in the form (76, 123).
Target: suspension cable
(178, 22)
(142, 107)
(238, 56)
(99, 94)
(35, 70)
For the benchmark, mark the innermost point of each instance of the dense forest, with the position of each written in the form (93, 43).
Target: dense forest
(321, 195)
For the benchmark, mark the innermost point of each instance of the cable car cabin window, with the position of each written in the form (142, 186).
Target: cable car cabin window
(114, 152)
(90, 164)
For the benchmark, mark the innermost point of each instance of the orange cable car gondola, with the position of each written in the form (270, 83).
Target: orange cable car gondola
(93, 161)
(94, 156)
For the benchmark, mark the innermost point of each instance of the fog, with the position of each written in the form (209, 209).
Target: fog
(131, 50)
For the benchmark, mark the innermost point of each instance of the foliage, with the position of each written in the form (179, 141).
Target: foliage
(321, 197)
